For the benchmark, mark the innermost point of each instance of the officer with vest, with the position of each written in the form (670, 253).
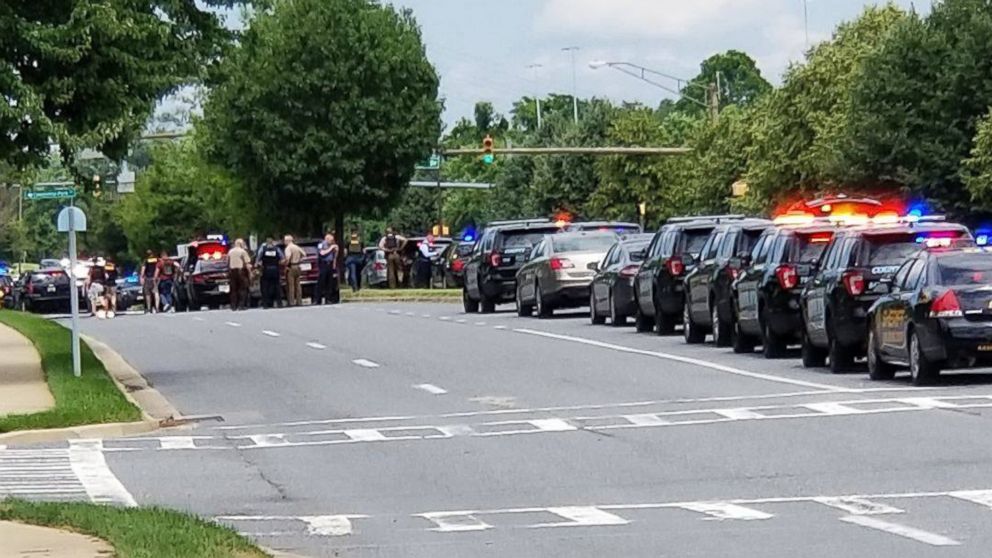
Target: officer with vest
(392, 244)
(147, 277)
(355, 260)
(267, 260)
(110, 285)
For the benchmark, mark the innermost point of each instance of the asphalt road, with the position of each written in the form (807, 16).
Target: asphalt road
(373, 430)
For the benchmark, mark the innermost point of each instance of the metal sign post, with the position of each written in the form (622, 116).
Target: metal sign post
(70, 220)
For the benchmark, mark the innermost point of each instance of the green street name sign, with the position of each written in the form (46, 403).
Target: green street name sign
(56, 194)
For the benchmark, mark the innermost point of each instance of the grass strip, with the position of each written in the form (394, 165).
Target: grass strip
(401, 295)
(90, 399)
(136, 532)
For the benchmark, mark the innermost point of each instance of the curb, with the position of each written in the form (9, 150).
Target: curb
(156, 411)
(278, 553)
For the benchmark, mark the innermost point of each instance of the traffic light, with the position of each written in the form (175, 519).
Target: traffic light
(97, 191)
(487, 150)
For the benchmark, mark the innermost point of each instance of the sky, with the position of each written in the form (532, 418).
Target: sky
(482, 49)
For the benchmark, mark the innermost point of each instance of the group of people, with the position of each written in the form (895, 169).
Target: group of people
(158, 277)
(101, 287)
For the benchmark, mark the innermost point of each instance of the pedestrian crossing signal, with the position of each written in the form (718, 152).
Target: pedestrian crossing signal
(487, 150)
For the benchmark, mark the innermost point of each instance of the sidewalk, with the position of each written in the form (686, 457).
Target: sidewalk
(22, 382)
(28, 541)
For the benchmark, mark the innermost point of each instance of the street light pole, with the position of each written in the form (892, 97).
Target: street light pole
(575, 86)
(537, 97)
(806, 20)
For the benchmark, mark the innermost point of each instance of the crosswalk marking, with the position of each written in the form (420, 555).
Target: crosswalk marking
(329, 525)
(722, 510)
(739, 414)
(552, 425)
(78, 472)
(858, 506)
(89, 465)
(267, 440)
(448, 522)
(584, 516)
(900, 530)
(832, 408)
(365, 435)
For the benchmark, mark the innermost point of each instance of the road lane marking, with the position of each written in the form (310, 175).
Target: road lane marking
(177, 442)
(270, 333)
(480, 323)
(462, 321)
(583, 516)
(425, 315)
(980, 497)
(232, 324)
(329, 525)
(500, 327)
(365, 363)
(90, 467)
(444, 318)
(198, 319)
(365, 435)
(739, 414)
(918, 535)
(682, 359)
(267, 440)
(552, 425)
(448, 522)
(646, 419)
(720, 511)
(858, 506)
(431, 388)
(316, 346)
(411, 314)
(833, 408)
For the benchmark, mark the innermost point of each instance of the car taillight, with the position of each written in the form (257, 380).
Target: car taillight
(733, 272)
(495, 259)
(558, 264)
(457, 265)
(198, 279)
(379, 266)
(854, 282)
(788, 276)
(675, 266)
(946, 306)
(629, 271)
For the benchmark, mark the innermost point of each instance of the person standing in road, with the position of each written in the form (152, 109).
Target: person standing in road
(392, 244)
(95, 286)
(354, 261)
(293, 255)
(165, 277)
(147, 277)
(110, 286)
(327, 258)
(425, 258)
(239, 274)
(268, 259)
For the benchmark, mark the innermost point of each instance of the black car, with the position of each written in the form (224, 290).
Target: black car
(937, 314)
(491, 269)
(612, 291)
(766, 293)
(204, 278)
(658, 286)
(835, 301)
(709, 298)
(449, 267)
(6, 291)
(44, 289)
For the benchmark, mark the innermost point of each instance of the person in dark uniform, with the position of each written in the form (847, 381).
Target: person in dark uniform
(425, 255)
(110, 286)
(392, 244)
(96, 286)
(355, 260)
(327, 283)
(267, 260)
(147, 277)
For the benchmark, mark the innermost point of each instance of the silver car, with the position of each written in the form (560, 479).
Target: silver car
(557, 273)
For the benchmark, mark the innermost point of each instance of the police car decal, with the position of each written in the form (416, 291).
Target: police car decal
(884, 269)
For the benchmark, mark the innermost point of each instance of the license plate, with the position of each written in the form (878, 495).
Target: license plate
(51, 288)
(305, 267)
(985, 348)
(224, 288)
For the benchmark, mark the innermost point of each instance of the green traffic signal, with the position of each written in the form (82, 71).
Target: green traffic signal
(488, 158)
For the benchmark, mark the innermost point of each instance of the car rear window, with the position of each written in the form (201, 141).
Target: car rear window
(591, 243)
(751, 238)
(695, 239)
(966, 270)
(811, 246)
(210, 266)
(891, 249)
(464, 249)
(523, 238)
(636, 250)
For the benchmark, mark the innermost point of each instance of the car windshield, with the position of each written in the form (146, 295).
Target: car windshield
(523, 238)
(591, 243)
(973, 269)
(892, 249)
(636, 250)
(695, 239)
(464, 249)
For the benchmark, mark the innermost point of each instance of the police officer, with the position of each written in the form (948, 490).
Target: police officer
(267, 261)
(392, 244)
(147, 277)
(110, 286)
(327, 284)
(354, 261)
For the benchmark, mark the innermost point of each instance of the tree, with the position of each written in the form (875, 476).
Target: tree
(87, 74)
(977, 172)
(324, 109)
(739, 78)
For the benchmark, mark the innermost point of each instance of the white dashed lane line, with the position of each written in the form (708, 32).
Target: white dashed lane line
(365, 363)
(270, 333)
(431, 388)
(316, 346)
(232, 324)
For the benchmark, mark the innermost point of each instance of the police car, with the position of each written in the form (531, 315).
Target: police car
(937, 314)
(849, 279)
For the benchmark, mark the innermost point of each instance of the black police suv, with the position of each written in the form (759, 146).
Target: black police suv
(835, 301)
(709, 300)
(491, 269)
(658, 286)
(612, 291)
(766, 293)
(937, 314)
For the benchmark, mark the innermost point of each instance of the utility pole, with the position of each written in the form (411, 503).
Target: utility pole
(806, 20)
(575, 86)
(537, 97)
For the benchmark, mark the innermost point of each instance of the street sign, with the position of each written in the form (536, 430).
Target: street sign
(56, 194)
(75, 223)
(431, 163)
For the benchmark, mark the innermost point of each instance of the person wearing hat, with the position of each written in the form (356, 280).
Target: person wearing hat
(149, 289)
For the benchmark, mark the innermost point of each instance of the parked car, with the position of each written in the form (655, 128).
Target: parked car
(375, 271)
(411, 253)
(42, 290)
(848, 281)
(449, 267)
(557, 273)
(6, 291)
(936, 314)
(659, 285)
(612, 290)
(709, 300)
(129, 292)
(204, 278)
(491, 269)
(766, 293)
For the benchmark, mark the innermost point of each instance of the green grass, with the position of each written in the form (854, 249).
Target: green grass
(136, 532)
(401, 294)
(90, 399)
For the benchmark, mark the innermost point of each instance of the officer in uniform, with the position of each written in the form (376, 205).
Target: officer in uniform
(354, 261)
(110, 286)
(147, 277)
(267, 260)
(392, 244)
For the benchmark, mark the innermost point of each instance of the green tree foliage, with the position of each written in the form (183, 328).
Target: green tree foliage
(86, 73)
(739, 78)
(324, 109)
(178, 198)
(977, 172)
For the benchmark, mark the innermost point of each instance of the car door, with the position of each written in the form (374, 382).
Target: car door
(472, 267)
(601, 282)
(900, 306)
(720, 276)
(748, 283)
(814, 296)
(698, 282)
(527, 276)
(644, 284)
(886, 308)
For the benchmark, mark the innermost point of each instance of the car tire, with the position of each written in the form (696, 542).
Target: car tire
(616, 318)
(838, 357)
(692, 333)
(544, 310)
(642, 323)
(523, 310)
(812, 356)
(594, 317)
(468, 304)
(878, 369)
(922, 370)
(741, 343)
(772, 346)
(487, 306)
(663, 323)
(721, 330)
